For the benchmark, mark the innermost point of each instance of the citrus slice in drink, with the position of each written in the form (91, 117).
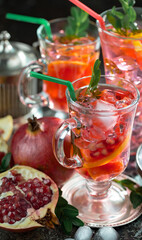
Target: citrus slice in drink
(91, 162)
(111, 169)
(67, 70)
(134, 48)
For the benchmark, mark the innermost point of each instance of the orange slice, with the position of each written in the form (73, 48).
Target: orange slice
(134, 49)
(89, 162)
(67, 70)
(114, 168)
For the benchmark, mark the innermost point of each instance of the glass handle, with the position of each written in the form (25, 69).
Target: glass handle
(58, 144)
(28, 86)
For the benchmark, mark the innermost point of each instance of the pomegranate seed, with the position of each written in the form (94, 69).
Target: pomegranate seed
(24, 189)
(47, 182)
(11, 215)
(17, 218)
(33, 199)
(1, 220)
(37, 190)
(35, 205)
(28, 195)
(45, 199)
(4, 211)
(29, 185)
(23, 214)
(6, 205)
(11, 221)
(41, 190)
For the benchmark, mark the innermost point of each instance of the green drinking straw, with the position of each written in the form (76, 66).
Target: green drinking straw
(32, 20)
(56, 80)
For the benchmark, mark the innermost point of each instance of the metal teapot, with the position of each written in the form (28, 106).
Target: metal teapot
(14, 56)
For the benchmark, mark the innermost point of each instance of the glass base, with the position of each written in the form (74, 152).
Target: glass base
(113, 210)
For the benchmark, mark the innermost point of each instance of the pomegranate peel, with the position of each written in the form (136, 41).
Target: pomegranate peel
(31, 145)
(19, 187)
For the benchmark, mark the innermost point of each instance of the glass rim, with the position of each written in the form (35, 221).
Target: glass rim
(97, 39)
(77, 105)
(114, 34)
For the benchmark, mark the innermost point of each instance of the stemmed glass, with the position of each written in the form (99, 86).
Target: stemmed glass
(100, 127)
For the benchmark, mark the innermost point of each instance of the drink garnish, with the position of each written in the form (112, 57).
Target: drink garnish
(78, 23)
(123, 22)
(136, 191)
(95, 78)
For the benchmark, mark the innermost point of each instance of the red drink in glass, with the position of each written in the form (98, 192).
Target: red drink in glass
(103, 143)
(122, 56)
(66, 58)
(100, 126)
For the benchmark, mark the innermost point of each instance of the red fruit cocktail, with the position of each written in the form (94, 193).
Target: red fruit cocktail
(68, 55)
(122, 54)
(67, 58)
(101, 125)
(103, 140)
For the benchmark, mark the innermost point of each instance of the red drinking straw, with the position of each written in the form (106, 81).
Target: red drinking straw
(90, 12)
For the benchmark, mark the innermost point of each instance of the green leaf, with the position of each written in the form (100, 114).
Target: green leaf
(58, 212)
(77, 222)
(135, 199)
(5, 162)
(123, 21)
(95, 78)
(126, 183)
(116, 23)
(62, 202)
(136, 191)
(78, 23)
(67, 224)
(70, 211)
(67, 214)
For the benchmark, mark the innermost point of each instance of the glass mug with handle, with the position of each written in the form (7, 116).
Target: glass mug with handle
(67, 61)
(100, 126)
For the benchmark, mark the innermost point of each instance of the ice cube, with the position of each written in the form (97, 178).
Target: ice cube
(106, 233)
(83, 233)
(69, 239)
(125, 63)
(107, 120)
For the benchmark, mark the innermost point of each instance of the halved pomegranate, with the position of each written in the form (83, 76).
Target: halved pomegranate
(28, 199)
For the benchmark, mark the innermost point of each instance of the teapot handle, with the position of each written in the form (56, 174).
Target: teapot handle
(32, 99)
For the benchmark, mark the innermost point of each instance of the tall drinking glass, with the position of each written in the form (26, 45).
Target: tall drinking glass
(63, 58)
(122, 57)
(100, 125)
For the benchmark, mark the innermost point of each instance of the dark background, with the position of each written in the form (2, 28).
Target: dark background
(48, 9)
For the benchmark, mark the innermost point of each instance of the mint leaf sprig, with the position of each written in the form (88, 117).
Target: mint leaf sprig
(78, 23)
(95, 78)
(136, 191)
(67, 214)
(122, 22)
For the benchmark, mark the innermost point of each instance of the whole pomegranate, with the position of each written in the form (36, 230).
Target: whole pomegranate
(28, 199)
(31, 145)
